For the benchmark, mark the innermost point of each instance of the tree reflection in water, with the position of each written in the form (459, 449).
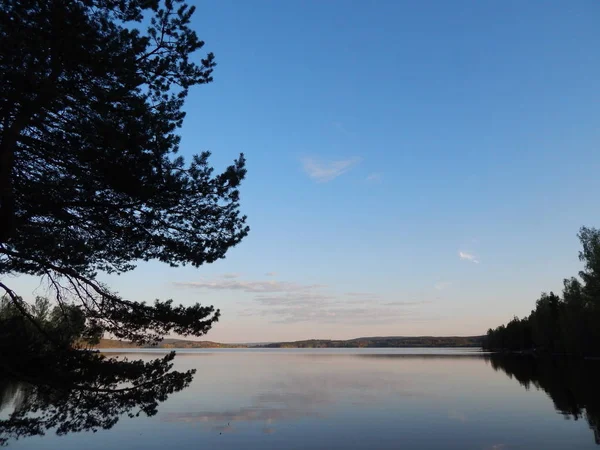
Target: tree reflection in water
(572, 384)
(90, 397)
(101, 391)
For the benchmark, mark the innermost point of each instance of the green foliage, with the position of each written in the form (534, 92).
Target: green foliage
(570, 324)
(41, 328)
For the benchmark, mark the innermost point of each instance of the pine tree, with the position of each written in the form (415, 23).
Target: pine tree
(91, 99)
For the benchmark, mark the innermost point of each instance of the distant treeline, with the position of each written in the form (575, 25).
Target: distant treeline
(165, 343)
(567, 324)
(383, 342)
(379, 342)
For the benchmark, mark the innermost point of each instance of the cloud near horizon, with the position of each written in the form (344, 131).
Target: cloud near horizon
(289, 302)
(247, 286)
(468, 257)
(322, 171)
(230, 276)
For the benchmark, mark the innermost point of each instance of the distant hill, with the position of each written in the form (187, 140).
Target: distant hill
(114, 343)
(383, 342)
(166, 343)
(363, 342)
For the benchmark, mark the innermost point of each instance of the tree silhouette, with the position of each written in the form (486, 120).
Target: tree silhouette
(87, 395)
(78, 389)
(571, 384)
(570, 324)
(88, 178)
(91, 97)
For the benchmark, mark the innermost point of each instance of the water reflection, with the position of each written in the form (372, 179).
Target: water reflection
(88, 397)
(35, 409)
(294, 387)
(572, 384)
(339, 400)
(267, 408)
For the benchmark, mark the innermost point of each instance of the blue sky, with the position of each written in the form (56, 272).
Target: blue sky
(413, 167)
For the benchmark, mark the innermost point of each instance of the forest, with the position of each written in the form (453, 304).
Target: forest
(566, 324)
(382, 342)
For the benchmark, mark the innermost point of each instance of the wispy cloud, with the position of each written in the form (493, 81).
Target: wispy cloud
(363, 295)
(468, 257)
(413, 303)
(319, 306)
(270, 274)
(290, 302)
(230, 276)
(374, 177)
(323, 171)
(248, 286)
(329, 314)
(295, 299)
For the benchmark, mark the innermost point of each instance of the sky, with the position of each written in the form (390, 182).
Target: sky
(414, 168)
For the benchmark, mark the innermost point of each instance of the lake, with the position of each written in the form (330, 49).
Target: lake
(359, 399)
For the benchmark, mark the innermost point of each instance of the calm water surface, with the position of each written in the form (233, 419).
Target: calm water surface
(361, 399)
